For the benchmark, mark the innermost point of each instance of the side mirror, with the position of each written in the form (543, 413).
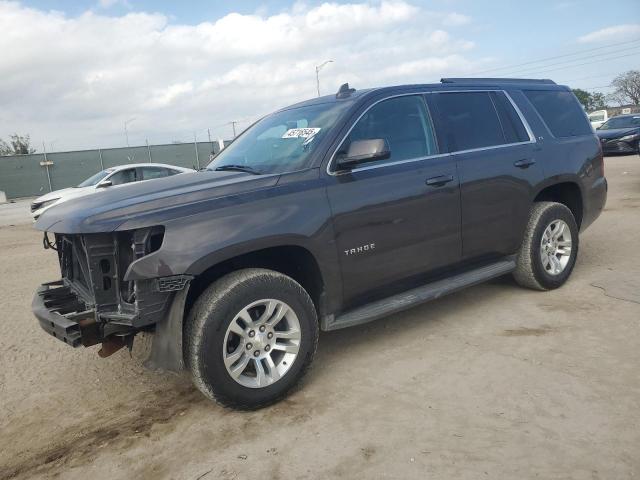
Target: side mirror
(106, 183)
(362, 151)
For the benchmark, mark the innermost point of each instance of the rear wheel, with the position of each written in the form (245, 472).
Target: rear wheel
(250, 337)
(549, 247)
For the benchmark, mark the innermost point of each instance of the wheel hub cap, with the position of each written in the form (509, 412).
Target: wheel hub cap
(555, 247)
(261, 343)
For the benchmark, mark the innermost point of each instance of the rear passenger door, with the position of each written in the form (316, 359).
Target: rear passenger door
(496, 158)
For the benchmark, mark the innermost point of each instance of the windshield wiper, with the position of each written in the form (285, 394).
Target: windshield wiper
(239, 168)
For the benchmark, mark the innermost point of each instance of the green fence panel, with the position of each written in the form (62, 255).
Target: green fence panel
(23, 176)
(71, 168)
(112, 157)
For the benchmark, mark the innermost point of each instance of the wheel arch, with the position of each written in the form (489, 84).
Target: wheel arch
(291, 259)
(567, 192)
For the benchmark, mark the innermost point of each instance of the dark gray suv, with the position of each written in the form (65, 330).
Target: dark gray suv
(326, 214)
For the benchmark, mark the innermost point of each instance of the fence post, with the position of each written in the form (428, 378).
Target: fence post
(148, 149)
(101, 162)
(46, 165)
(195, 144)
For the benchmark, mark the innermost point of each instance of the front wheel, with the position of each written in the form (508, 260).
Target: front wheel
(250, 337)
(549, 248)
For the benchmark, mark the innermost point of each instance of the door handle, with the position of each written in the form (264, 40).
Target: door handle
(524, 163)
(439, 180)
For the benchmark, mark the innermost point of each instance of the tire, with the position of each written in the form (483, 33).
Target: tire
(218, 328)
(531, 270)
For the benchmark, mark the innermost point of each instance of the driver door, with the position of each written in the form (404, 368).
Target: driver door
(391, 219)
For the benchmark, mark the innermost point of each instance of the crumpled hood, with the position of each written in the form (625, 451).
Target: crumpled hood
(143, 204)
(617, 132)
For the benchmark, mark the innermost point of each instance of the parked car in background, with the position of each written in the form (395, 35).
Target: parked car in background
(620, 134)
(109, 177)
(598, 117)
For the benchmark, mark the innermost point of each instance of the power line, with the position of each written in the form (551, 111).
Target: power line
(536, 72)
(555, 57)
(545, 67)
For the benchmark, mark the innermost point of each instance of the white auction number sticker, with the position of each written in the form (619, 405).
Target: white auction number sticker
(300, 132)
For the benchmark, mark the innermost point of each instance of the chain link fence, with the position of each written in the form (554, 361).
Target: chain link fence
(39, 173)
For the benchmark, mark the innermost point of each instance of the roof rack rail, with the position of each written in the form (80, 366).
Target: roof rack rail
(516, 81)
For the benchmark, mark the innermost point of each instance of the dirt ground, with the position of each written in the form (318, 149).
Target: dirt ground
(492, 382)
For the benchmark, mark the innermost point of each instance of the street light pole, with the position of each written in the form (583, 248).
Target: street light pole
(126, 132)
(318, 68)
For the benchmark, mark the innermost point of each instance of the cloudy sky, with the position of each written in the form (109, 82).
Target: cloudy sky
(71, 73)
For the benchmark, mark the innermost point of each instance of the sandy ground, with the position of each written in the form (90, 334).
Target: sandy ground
(492, 382)
(15, 212)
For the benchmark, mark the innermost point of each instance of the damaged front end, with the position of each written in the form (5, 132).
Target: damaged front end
(94, 302)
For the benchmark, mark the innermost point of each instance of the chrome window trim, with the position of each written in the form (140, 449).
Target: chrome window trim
(437, 155)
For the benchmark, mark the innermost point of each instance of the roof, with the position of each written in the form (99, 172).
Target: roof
(444, 82)
(135, 165)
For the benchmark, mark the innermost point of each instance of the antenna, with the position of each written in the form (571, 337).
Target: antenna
(344, 91)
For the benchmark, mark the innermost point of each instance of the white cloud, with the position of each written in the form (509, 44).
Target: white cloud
(617, 32)
(76, 79)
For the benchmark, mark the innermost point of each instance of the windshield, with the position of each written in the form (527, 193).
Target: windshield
(281, 142)
(94, 179)
(621, 122)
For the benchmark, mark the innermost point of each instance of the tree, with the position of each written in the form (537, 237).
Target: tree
(590, 101)
(18, 145)
(627, 88)
(598, 101)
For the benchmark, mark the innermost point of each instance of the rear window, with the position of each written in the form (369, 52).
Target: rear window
(561, 112)
(471, 120)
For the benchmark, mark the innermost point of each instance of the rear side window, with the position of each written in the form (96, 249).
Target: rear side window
(561, 112)
(514, 130)
(471, 120)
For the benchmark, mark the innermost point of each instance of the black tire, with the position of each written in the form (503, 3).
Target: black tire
(207, 325)
(530, 271)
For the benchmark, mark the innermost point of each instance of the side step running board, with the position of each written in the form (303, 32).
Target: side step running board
(415, 296)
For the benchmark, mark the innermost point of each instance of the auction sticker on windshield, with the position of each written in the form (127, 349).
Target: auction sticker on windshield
(300, 132)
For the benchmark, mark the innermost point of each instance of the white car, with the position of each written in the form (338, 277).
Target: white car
(109, 177)
(597, 118)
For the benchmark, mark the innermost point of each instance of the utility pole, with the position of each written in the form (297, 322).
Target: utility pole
(126, 131)
(318, 68)
(233, 125)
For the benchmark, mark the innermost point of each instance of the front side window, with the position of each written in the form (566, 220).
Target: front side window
(149, 173)
(561, 112)
(283, 141)
(123, 176)
(403, 122)
(470, 120)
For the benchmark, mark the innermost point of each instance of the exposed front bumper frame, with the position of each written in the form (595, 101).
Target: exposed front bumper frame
(64, 315)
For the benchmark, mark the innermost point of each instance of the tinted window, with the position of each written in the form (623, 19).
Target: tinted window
(514, 130)
(153, 172)
(561, 112)
(621, 122)
(470, 119)
(403, 122)
(123, 176)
